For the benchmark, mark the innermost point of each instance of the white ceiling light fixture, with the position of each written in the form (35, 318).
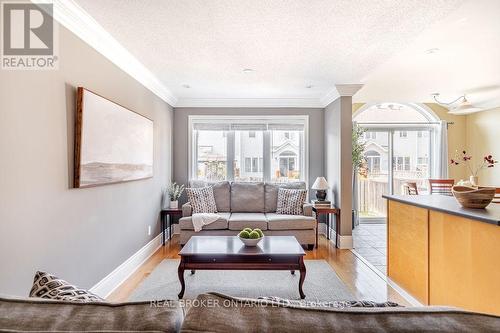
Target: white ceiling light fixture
(248, 70)
(463, 108)
(432, 51)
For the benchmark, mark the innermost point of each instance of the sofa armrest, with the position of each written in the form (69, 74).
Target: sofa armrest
(187, 210)
(307, 208)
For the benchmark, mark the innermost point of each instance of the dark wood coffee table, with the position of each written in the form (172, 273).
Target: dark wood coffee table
(229, 253)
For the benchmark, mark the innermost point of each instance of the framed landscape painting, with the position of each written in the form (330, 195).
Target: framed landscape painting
(112, 143)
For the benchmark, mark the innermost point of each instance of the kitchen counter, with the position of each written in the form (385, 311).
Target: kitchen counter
(450, 205)
(444, 254)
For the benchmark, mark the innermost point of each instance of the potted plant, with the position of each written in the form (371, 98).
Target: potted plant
(174, 193)
(358, 165)
(487, 162)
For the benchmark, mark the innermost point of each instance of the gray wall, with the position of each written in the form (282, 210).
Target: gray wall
(181, 148)
(80, 235)
(338, 147)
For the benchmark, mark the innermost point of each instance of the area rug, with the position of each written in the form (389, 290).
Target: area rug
(321, 283)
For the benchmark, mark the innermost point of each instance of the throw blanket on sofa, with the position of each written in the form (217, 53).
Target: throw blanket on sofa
(201, 219)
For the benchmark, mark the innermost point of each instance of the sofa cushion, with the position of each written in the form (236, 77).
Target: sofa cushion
(289, 222)
(202, 200)
(186, 223)
(45, 315)
(247, 315)
(271, 193)
(247, 197)
(46, 285)
(222, 193)
(240, 221)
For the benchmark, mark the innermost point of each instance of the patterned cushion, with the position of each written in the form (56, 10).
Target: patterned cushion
(202, 199)
(331, 304)
(49, 286)
(290, 201)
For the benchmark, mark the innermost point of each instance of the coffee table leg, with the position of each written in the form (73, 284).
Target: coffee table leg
(180, 272)
(302, 269)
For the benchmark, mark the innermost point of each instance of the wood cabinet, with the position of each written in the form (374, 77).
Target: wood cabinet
(444, 259)
(407, 249)
(464, 263)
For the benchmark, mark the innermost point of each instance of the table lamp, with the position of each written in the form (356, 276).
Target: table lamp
(320, 185)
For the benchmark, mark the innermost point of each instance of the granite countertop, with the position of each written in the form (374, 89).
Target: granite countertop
(448, 204)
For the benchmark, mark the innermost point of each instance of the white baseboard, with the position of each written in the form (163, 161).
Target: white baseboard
(114, 279)
(345, 242)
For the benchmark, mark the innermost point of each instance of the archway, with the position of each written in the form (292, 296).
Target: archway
(400, 144)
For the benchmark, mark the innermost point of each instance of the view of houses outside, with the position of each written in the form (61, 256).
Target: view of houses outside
(411, 156)
(248, 164)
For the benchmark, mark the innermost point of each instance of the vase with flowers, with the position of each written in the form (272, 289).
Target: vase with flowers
(174, 193)
(487, 162)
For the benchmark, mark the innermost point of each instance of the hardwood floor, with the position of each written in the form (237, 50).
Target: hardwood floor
(358, 276)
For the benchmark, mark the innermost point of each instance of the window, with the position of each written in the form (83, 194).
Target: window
(372, 161)
(401, 163)
(370, 135)
(403, 134)
(407, 164)
(263, 148)
(211, 155)
(423, 160)
(423, 134)
(248, 164)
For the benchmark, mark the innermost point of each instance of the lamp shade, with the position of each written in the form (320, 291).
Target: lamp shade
(320, 184)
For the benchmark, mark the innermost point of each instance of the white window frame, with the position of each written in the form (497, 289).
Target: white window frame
(266, 163)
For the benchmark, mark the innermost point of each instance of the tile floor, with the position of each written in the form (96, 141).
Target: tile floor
(370, 241)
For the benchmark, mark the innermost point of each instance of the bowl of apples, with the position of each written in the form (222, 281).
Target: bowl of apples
(251, 237)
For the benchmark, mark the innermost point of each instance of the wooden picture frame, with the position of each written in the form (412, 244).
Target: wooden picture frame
(113, 144)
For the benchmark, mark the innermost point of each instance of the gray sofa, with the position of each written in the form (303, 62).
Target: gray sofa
(220, 313)
(251, 205)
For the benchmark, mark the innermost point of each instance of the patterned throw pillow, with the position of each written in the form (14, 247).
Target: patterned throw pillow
(49, 286)
(290, 201)
(330, 304)
(202, 199)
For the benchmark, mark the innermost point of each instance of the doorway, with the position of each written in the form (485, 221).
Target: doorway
(398, 148)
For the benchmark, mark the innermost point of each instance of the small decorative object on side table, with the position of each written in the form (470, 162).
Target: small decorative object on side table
(166, 217)
(320, 185)
(174, 193)
(327, 209)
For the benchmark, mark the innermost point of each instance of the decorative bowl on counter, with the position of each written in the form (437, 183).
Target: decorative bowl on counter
(473, 197)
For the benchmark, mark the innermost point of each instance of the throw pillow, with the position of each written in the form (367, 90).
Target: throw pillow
(290, 201)
(329, 304)
(46, 285)
(202, 199)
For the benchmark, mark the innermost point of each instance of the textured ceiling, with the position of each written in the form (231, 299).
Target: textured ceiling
(468, 61)
(290, 44)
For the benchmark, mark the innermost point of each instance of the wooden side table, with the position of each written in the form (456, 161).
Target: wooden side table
(166, 218)
(328, 210)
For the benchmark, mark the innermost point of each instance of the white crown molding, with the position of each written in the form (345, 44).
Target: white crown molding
(338, 91)
(250, 102)
(348, 89)
(78, 21)
(329, 97)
